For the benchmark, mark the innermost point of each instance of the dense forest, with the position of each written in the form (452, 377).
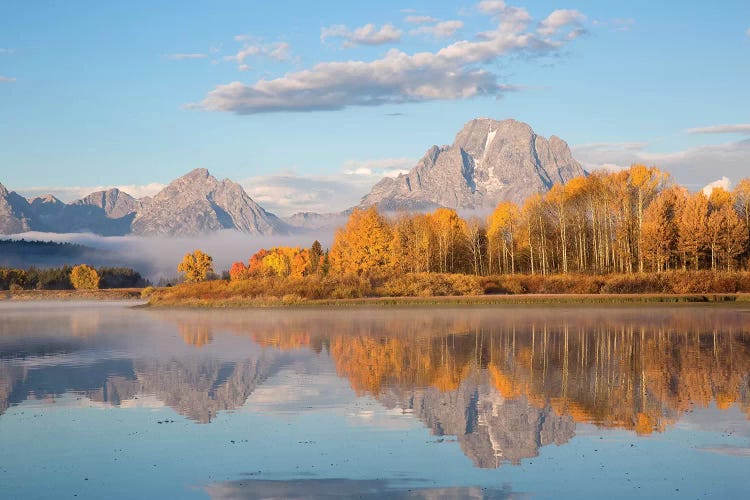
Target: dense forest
(636, 220)
(59, 278)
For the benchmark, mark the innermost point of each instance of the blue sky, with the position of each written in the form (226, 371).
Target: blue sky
(99, 94)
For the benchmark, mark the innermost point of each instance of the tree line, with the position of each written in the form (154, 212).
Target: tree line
(81, 276)
(635, 220)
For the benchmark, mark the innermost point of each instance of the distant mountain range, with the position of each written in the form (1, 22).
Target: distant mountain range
(489, 161)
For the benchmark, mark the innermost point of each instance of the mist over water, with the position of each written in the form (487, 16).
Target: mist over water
(157, 257)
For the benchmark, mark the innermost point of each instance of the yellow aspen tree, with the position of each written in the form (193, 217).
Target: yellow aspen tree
(693, 229)
(363, 245)
(557, 200)
(196, 266)
(741, 195)
(659, 231)
(84, 277)
(449, 229)
(645, 182)
(502, 229)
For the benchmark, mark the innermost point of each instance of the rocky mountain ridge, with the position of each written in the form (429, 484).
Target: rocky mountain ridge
(488, 162)
(194, 204)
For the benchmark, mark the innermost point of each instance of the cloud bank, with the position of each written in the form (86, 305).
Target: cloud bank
(740, 128)
(460, 70)
(693, 167)
(287, 194)
(70, 193)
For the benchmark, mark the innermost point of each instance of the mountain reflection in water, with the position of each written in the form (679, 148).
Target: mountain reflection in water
(503, 382)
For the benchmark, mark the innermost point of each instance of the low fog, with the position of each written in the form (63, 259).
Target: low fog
(157, 257)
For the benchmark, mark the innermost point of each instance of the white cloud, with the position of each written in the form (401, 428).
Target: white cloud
(444, 29)
(421, 19)
(747, 32)
(369, 34)
(723, 183)
(623, 24)
(7, 78)
(561, 19)
(279, 51)
(491, 7)
(290, 193)
(694, 167)
(461, 70)
(384, 167)
(182, 57)
(70, 193)
(245, 38)
(740, 128)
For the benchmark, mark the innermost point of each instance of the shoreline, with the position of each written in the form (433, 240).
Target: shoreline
(102, 295)
(134, 295)
(468, 300)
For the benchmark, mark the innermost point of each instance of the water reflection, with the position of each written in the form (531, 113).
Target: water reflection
(347, 488)
(503, 382)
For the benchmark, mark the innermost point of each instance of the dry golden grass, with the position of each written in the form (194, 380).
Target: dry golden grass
(276, 291)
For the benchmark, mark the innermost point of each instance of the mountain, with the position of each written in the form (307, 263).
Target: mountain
(15, 212)
(489, 161)
(113, 202)
(198, 203)
(314, 220)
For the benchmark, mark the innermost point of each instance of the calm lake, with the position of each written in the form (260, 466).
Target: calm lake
(104, 401)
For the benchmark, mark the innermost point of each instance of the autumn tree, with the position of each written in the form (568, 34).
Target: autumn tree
(693, 229)
(645, 183)
(196, 266)
(741, 196)
(239, 271)
(475, 238)
(502, 230)
(449, 231)
(363, 245)
(84, 277)
(659, 233)
(557, 201)
(316, 257)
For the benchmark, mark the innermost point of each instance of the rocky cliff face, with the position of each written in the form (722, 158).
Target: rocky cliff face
(198, 203)
(489, 161)
(15, 212)
(113, 202)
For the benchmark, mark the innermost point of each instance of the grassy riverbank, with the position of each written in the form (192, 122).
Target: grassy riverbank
(446, 289)
(238, 302)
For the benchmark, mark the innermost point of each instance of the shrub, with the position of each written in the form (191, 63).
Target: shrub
(431, 285)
